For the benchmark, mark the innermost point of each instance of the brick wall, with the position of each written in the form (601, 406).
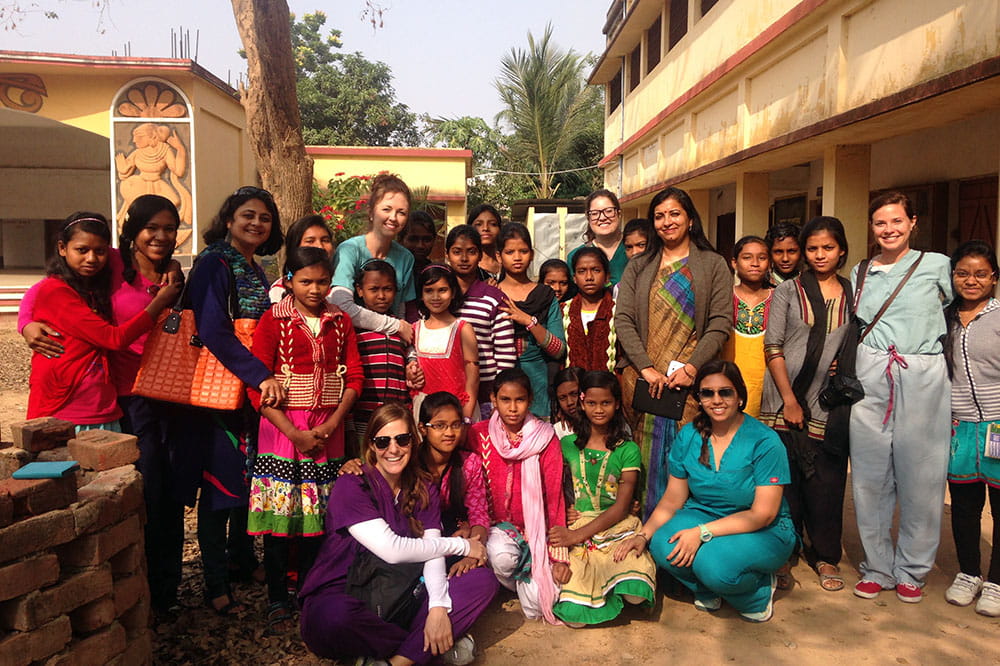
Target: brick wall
(73, 584)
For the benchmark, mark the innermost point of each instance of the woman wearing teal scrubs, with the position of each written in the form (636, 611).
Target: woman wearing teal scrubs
(722, 528)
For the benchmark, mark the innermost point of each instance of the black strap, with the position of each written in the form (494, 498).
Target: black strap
(817, 337)
(862, 272)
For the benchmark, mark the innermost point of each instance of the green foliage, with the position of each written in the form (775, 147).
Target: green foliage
(345, 99)
(344, 205)
(549, 110)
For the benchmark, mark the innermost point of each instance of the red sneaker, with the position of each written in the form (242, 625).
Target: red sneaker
(909, 593)
(867, 589)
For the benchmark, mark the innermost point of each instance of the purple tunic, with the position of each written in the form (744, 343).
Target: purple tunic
(335, 624)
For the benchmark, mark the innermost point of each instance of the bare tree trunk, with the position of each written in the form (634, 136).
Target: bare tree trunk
(271, 104)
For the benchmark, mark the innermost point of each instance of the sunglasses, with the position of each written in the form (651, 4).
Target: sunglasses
(382, 442)
(250, 191)
(724, 393)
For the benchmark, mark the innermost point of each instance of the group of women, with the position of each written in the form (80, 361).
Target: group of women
(471, 456)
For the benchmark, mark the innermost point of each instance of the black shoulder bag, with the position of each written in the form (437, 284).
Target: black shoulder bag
(391, 591)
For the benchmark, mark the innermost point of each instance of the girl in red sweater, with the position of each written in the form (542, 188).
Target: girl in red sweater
(75, 299)
(310, 347)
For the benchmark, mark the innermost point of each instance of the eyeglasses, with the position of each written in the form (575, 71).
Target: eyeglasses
(981, 276)
(441, 427)
(603, 212)
(382, 442)
(250, 191)
(724, 393)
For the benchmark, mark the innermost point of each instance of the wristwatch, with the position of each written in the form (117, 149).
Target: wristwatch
(706, 535)
(531, 324)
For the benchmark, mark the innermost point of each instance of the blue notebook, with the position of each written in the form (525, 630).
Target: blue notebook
(46, 470)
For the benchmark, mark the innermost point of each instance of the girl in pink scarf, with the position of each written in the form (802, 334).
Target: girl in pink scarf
(522, 465)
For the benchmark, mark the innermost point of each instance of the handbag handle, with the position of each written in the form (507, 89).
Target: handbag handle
(885, 306)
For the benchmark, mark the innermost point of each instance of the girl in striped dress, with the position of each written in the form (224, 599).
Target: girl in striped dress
(383, 355)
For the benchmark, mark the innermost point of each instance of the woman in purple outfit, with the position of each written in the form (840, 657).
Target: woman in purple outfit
(393, 511)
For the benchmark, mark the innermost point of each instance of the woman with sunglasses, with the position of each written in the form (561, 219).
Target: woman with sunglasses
(393, 511)
(210, 446)
(604, 231)
(722, 528)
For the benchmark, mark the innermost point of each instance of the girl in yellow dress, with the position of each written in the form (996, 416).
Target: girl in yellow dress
(751, 305)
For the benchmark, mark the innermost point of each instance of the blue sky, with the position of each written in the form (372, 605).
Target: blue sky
(444, 54)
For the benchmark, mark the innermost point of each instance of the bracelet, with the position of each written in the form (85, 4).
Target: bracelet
(530, 325)
(685, 369)
(644, 537)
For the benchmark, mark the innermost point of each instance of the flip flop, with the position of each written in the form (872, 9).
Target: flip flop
(231, 607)
(279, 618)
(831, 582)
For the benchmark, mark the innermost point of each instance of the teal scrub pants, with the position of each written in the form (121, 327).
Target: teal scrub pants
(736, 567)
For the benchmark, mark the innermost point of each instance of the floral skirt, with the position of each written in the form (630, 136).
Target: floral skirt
(289, 491)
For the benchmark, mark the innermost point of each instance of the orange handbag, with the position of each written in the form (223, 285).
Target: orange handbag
(177, 367)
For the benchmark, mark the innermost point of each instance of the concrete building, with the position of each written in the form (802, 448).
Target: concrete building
(94, 132)
(769, 110)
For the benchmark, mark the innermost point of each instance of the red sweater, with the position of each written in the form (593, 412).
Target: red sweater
(77, 386)
(308, 365)
(503, 482)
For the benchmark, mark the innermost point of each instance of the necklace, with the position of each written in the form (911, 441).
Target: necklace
(593, 493)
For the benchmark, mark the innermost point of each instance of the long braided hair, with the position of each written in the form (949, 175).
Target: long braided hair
(702, 422)
(413, 481)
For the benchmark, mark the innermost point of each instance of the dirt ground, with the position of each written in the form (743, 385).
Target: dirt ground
(809, 626)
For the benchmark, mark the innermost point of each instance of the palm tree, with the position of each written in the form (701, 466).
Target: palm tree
(546, 101)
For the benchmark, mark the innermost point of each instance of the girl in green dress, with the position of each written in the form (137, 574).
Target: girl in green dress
(605, 466)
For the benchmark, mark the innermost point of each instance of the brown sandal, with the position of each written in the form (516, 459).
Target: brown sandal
(831, 582)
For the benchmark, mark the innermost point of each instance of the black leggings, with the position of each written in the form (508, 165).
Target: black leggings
(816, 505)
(276, 560)
(967, 502)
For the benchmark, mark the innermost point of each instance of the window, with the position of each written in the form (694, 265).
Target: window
(653, 38)
(615, 92)
(634, 68)
(678, 22)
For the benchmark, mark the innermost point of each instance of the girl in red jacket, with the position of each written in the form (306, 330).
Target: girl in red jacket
(310, 347)
(75, 299)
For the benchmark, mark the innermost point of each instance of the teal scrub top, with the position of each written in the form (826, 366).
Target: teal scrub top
(353, 252)
(618, 262)
(755, 457)
(914, 322)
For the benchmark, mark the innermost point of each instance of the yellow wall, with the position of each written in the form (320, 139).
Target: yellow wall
(81, 96)
(445, 176)
(840, 56)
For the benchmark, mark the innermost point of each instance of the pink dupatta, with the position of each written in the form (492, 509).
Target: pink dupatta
(536, 435)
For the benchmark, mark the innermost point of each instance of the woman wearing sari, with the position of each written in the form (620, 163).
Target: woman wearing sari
(674, 304)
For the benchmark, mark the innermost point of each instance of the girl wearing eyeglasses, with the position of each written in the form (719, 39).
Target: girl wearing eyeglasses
(392, 511)
(722, 528)
(604, 231)
(974, 469)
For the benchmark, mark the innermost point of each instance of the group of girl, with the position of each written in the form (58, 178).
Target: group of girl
(561, 512)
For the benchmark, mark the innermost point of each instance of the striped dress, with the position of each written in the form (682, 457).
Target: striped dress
(494, 334)
(383, 357)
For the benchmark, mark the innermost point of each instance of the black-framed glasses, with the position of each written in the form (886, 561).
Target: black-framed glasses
(598, 213)
(382, 442)
(441, 426)
(251, 191)
(727, 393)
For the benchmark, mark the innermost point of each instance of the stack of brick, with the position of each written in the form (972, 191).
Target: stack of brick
(73, 584)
